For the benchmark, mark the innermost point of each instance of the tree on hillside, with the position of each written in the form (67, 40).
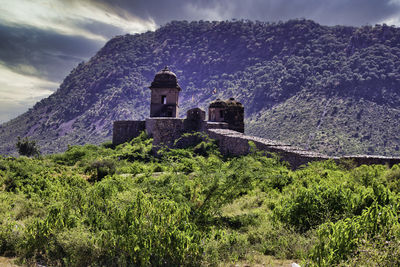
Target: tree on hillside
(27, 147)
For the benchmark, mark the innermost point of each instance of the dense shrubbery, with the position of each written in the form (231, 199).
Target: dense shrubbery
(98, 205)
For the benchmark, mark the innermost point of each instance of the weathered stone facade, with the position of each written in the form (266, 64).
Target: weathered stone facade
(229, 111)
(164, 131)
(194, 121)
(124, 131)
(216, 111)
(234, 115)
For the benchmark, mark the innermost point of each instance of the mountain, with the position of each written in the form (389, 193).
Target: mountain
(331, 89)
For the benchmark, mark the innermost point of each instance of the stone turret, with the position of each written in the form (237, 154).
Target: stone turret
(229, 111)
(234, 115)
(164, 94)
(216, 110)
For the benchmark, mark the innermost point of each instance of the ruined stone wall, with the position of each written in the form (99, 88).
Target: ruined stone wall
(372, 159)
(194, 121)
(235, 143)
(164, 131)
(216, 125)
(124, 131)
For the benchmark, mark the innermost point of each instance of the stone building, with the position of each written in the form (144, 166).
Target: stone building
(164, 94)
(216, 110)
(165, 127)
(229, 111)
(194, 121)
(124, 131)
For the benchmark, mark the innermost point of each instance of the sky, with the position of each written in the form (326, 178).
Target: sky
(41, 41)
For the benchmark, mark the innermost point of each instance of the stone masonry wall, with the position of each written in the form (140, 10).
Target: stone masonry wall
(372, 159)
(164, 131)
(235, 143)
(124, 131)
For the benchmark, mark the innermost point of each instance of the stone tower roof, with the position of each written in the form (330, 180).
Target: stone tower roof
(218, 103)
(232, 102)
(224, 103)
(165, 78)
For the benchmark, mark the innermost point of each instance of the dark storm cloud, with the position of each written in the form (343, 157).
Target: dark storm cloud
(327, 12)
(50, 53)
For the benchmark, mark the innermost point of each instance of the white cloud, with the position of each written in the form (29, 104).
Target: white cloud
(20, 92)
(217, 12)
(65, 16)
(9, 110)
(23, 85)
(391, 21)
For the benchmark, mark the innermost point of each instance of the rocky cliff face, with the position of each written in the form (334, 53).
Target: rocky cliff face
(331, 89)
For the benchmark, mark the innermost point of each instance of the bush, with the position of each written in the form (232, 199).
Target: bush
(306, 208)
(337, 241)
(81, 155)
(392, 177)
(27, 147)
(197, 142)
(139, 148)
(100, 169)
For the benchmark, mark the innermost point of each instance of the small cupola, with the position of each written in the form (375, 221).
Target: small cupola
(165, 78)
(216, 110)
(229, 111)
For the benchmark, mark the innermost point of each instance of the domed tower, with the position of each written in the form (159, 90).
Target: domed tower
(164, 94)
(229, 111)
(216, 110)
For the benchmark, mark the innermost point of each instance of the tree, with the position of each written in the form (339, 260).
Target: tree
(27, 147)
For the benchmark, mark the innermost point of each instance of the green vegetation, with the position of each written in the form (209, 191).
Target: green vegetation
(102, 206)
(332, 89)
(27, 147)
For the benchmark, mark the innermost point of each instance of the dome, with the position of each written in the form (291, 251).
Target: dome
(232, 102)
(218, 104)
(165, 79)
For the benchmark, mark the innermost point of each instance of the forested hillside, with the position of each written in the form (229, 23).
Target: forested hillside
(331, 89)
(105, 206)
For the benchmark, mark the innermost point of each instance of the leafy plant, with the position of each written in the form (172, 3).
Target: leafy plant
(101, 168)
(336, 241)
(27, 147)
